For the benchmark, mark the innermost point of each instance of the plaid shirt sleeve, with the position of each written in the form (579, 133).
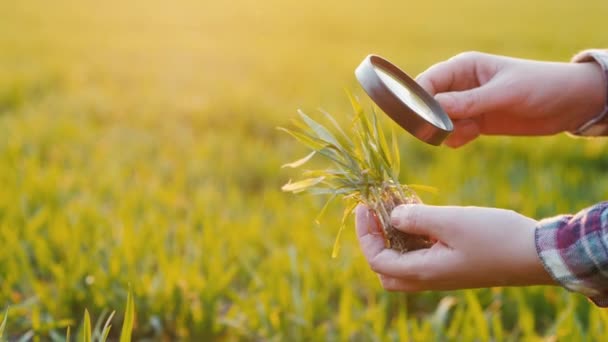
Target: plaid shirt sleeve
(574, 250)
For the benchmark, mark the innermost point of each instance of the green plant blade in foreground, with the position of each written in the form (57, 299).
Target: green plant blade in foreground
(302, 185)
(127, 325)
(3, 325)
(300, 162)
(86, 330)
(106, 327)
(336, 249)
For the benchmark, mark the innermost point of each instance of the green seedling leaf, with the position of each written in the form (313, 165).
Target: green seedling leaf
(106, 328)
(497, 330)
(336, 249)
(312, 143)
(86, 330)
(97, 327)
(3, 325)
(319, 130)
(346, 140)
(302, 185)
(127, 325)
(365, 168)
(300, 162)
(383, 145)
(424, 188)
(477, 316)
(396, 155)
(324, 148)
(354, 103)
(318, 219)
(329, 191)
(440, 317)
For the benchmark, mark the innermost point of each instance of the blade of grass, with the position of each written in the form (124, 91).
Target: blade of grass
(354, 103)
(345, 140)
(98, 322)
(336, 249)
(477, 316)
(331, 198)
(127, 325)
(86, 329)
(322, 147)
(106, 327)
(381, 141)
(333, 148)
(313, 143)
(440, 317)
(497, 331)
(396, 156)
(424, 188)
(3, 325)
(302, 185)
(319, 130)
(300, 162)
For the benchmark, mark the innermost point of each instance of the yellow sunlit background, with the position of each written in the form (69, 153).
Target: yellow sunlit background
(138, 148)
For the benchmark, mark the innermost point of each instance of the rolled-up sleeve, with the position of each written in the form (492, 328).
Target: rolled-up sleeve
(574, 250)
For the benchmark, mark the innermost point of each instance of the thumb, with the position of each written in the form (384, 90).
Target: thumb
(423, 219)
(468, 103)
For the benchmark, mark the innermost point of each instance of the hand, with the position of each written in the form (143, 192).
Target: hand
(487, 94)
(476, 247)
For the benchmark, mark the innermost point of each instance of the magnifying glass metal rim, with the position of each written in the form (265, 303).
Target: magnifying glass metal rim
(404, 115)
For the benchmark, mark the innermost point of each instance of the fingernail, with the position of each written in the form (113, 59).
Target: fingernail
(397, 214)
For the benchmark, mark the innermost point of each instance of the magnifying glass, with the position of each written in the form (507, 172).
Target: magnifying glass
(402, 99)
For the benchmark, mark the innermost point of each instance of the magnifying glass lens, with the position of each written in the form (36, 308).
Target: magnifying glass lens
(404, 100)
(408, 97)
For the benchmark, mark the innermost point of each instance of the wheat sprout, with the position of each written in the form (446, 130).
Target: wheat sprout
(364, 170)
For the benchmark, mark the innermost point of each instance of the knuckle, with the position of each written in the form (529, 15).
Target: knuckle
(406, 215)
(410, 217)
(469, 55)
(470, 101)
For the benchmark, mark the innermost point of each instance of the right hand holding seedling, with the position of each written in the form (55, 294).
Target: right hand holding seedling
(487, 94)
(476, 247)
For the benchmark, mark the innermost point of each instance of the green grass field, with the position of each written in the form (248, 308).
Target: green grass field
(138, 147)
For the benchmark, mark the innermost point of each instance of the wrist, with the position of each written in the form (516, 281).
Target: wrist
(533, 270)
(592, 94)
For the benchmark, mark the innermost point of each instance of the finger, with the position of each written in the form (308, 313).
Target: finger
(470, 103)
(399, 285)
(440, 222)
(457, 73)
(411, 265)
(503, 122)
(394, 284)
(464, 132)
(370, 238)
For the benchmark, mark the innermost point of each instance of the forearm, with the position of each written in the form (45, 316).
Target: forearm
(574, 250)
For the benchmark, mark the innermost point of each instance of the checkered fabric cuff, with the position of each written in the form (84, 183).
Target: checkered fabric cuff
(598, 125)
(574, 250)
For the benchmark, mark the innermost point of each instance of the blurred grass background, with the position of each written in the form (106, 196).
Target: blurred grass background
(138, 146)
